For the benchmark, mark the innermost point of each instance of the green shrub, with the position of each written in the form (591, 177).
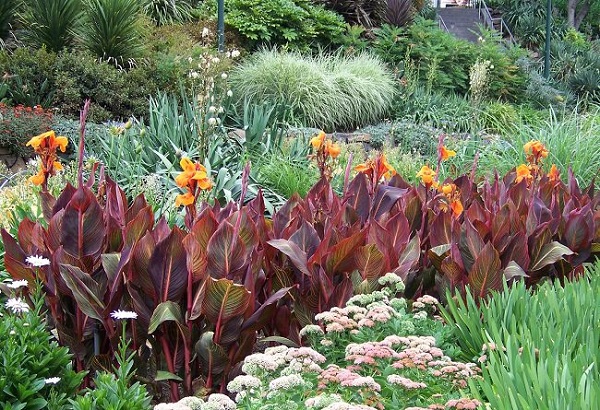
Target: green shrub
(112, 30)
(115, 94)
(52, 23)
(327, 91)
(448, 112)
(296, 23)
(30, 75)
(499, 118)
(541, 346)
(284, 175)
(18, 124)
(36, 372)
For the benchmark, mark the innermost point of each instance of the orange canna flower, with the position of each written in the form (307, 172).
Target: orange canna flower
(377, 168)
(192, 171)
(317, 141)
(457, 207)
(185, 199)
(523, 173)
(332, 149)
(554, 174)
(427, 175)
(535, 151)
(48, 140)
(365, 168)
(446, 153)
(37, 179)
(45, 145)
(193, 177)
(385, 168)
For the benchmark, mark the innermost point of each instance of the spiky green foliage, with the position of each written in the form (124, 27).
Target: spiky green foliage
(542, 347)
(168, 11)
(366, 13)
(326, 91)
(52, 23)
(8, 10)
(112, 30)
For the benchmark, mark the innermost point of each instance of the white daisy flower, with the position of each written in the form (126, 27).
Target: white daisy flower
(37, 261)
(52, 380)
(17, 305)
(18, 284)
(123, 315)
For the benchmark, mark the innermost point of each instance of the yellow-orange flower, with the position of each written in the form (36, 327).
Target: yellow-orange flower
(317, 141)
(377, 168)
(446, 153)
(554, 174)
(48, 140)
(523, 173)
(185, 199)
(37, 179)
(535, 151)
(427, 175)
(45, 145)
(193, 177)
(457, 207)
(332, 149)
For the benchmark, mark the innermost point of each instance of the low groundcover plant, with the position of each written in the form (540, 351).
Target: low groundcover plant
(376, 353)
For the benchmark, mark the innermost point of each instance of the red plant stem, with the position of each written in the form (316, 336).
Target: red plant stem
(167, 353)
(82, 118)
(187, 379)
(347, 175)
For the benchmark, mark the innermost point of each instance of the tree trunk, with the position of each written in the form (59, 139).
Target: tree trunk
(574, 16)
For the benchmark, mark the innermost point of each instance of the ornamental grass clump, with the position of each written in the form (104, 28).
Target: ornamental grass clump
(325, 91)
(375, 353)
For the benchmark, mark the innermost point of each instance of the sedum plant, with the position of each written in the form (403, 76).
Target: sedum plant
(377, 352)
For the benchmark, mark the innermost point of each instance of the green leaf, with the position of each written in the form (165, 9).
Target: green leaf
(279, 340)
(485, 275)
(549, 254)
(86, 291)
(223, 300)
(162, 375)
(166, 311)
(513, 270)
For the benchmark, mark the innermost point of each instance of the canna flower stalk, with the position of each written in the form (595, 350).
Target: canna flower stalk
(428, 176)
(45, 145)
(193, 179)
(451, 199)
(376, 169)
(324, 150)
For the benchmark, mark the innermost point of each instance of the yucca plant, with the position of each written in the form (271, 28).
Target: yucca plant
(168, 11)
(52, 23)
(112, 29)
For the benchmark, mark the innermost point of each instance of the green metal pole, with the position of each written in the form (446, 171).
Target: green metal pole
(221, 25)
(548, 34)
